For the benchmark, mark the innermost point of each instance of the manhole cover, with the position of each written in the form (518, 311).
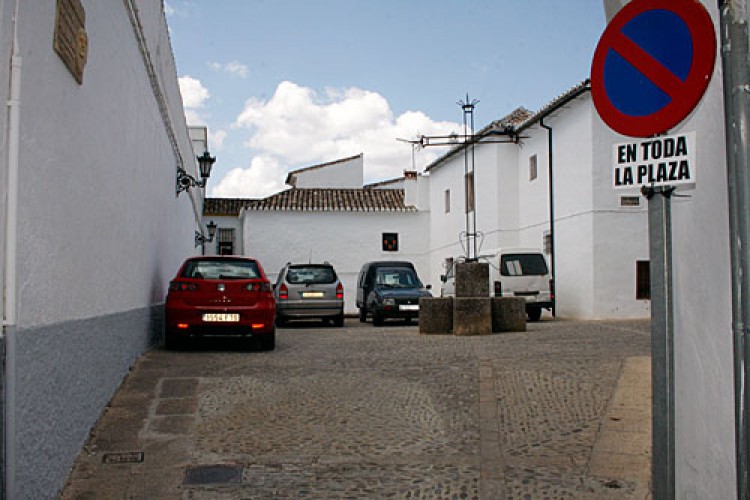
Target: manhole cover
(212, 474)
(132, 457)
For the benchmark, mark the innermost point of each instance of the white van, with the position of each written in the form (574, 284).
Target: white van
(514, 272)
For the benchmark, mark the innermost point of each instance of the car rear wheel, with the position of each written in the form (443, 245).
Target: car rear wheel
(339, 320)
(362, 315)
(268, 341)
(535, 313)
(171, 341)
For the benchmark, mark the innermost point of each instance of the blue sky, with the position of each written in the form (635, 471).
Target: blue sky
(284, 84)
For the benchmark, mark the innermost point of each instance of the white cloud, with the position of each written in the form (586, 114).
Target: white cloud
(216, 139)
(233, 68)
(194, 97)
(298, 126)
(264, 176)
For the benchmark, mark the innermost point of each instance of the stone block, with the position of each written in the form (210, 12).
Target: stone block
(472, 279)
(435, 315)
(472, 316)
(508, 314)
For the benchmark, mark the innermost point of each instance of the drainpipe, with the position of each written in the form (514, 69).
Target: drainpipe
(10, 287)
(734, 17)
(551, 210)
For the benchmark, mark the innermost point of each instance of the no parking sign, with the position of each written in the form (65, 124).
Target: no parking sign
(652, 65)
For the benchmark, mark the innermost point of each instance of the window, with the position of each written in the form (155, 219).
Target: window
(642, 280)
(532, 167)
(390, 242)
(225, 241)
(447, 201)
(523, 264)
(469, 184)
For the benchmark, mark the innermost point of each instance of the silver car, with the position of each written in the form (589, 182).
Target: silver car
(309, 291)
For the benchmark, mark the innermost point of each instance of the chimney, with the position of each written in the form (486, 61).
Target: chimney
(411, 189)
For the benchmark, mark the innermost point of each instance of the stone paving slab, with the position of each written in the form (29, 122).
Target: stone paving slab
(558, 411)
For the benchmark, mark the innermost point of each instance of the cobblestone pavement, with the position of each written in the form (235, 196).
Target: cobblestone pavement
(364, 412)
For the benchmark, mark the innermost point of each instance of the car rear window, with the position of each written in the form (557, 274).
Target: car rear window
(221, 269)
(523, 264)
(319, 275)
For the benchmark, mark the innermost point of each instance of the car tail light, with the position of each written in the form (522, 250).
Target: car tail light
(259, 287)
(498, 289)
(283, 291)
(552, 289)
(339, 291)
(182, 286)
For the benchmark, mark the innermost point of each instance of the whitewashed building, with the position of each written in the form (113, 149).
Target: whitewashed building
(91, 226)
(599, 238)
(598, 243)
(344, 226)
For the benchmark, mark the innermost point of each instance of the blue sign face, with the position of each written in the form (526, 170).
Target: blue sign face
(652, 65)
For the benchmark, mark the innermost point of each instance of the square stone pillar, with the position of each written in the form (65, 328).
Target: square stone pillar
(472, 279)
(508, 314)
(435, 315)
(472, 316)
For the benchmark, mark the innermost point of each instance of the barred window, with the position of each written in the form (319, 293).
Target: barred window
(225, 241)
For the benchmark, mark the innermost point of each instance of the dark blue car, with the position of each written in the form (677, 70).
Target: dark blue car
(395, 293)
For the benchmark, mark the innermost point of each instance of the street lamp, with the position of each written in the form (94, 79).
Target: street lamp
(200, 239)
(185, 181)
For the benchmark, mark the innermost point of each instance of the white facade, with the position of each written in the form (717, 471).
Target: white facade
(597, 241)
(99, 231)
(344, 173)
(345, 239)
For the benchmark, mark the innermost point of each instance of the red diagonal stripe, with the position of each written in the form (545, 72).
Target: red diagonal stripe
(644, 62)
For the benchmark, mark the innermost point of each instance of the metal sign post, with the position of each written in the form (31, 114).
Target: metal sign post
(662, 341)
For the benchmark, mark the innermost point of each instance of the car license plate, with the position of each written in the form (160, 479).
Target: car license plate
(408, 307)
(313, 295)
(220, 318)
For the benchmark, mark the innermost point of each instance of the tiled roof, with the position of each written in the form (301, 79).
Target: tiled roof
(335, 200)
(225, 206)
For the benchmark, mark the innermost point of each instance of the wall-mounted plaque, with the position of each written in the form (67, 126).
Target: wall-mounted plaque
(71, 41)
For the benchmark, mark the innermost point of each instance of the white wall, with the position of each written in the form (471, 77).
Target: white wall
(344, 174)
(97, 173)
(704, 393)
(345, 239)
(224, 222)
(100, 231)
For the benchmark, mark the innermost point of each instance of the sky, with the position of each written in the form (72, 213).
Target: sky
(287, 84)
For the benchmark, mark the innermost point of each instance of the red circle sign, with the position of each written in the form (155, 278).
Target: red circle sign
(652, 65)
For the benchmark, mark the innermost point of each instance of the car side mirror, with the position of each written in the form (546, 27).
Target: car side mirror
(443, 278)
(274, 286)
(429, 287)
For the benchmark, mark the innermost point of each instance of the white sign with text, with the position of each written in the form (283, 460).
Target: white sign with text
(658, 161)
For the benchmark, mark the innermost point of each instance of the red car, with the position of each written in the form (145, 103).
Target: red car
(217, 295)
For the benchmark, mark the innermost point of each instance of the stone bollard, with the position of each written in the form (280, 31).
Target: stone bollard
(435, 315)
(472, 316)
(508, 314)
(472, 279)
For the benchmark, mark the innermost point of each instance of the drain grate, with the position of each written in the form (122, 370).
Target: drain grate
(131, 457)
(212, 474)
